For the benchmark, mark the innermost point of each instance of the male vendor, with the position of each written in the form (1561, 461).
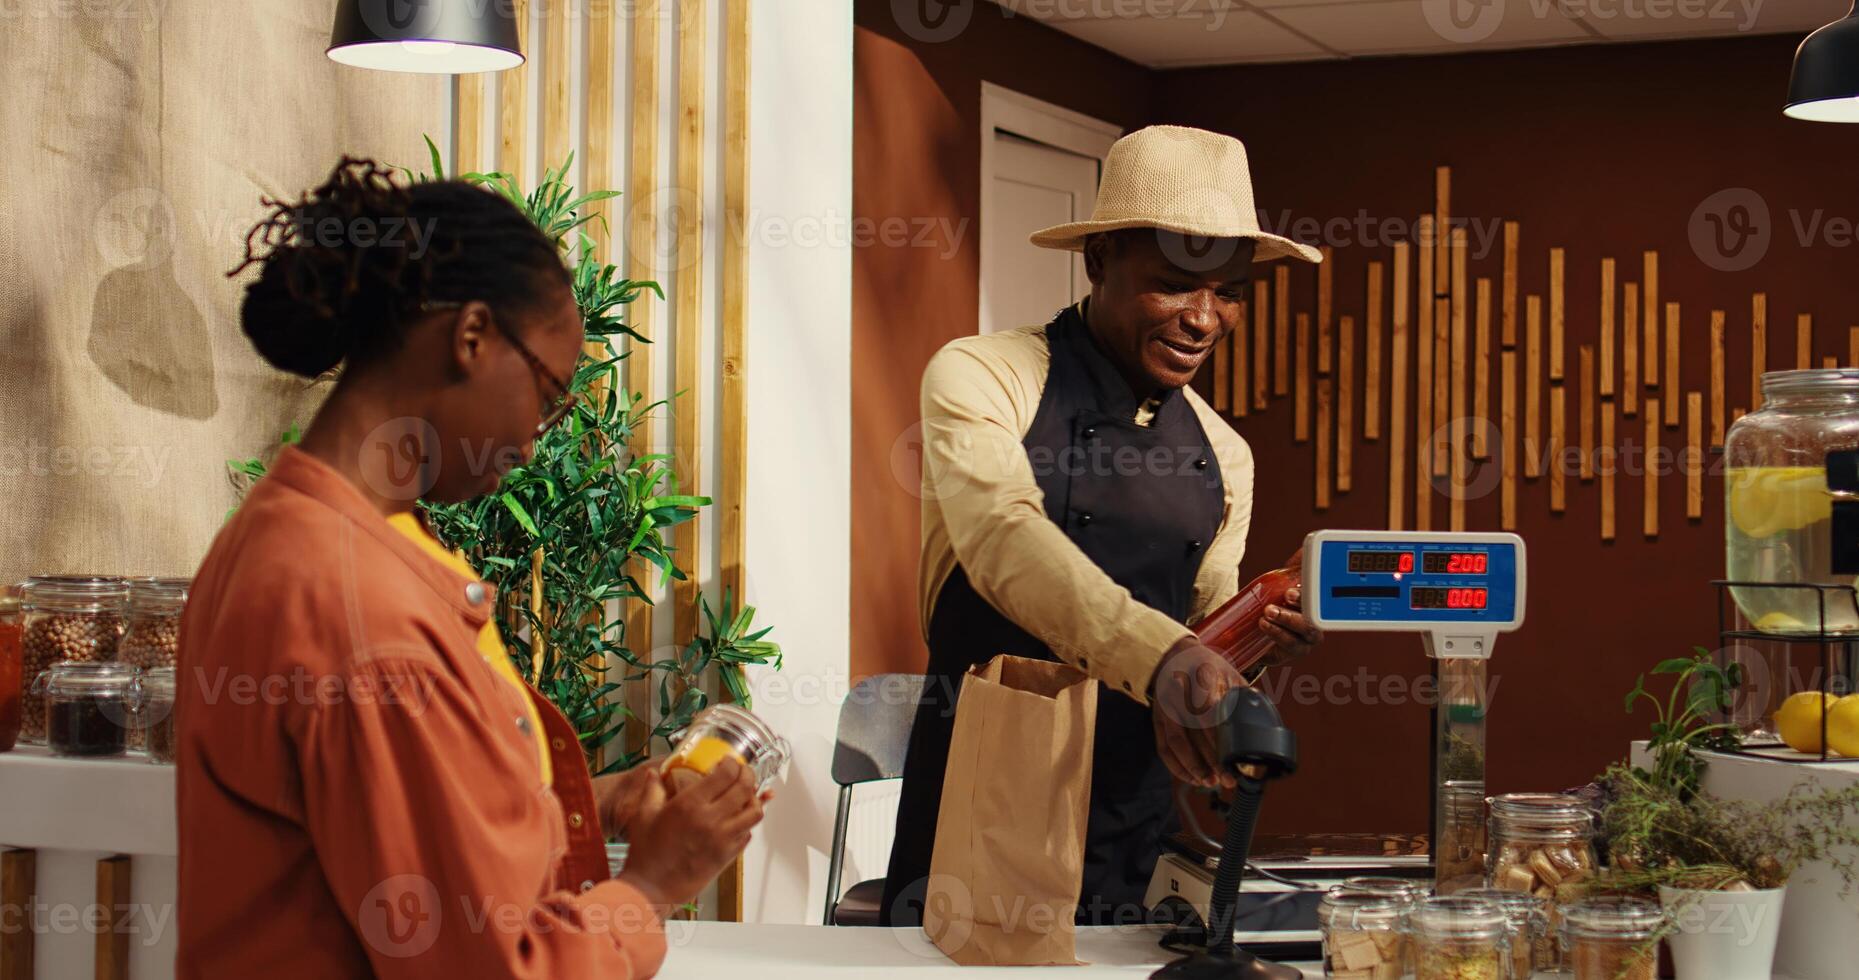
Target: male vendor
(1082, 504)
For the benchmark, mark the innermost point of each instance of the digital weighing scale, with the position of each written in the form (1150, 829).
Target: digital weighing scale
(1459, 590)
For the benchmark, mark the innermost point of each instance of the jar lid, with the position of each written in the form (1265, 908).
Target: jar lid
(158, 594)
(1343, 908)
(1457, 917)
(9, 600)
(159, 680)
(1546, 810)
(76, 678)
(1405, 889)
(1613, 917)
(750, 735)
(1810, 381)
(1519, 907)
(75, 592)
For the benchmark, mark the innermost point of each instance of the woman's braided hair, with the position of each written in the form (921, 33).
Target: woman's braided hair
(344, 270)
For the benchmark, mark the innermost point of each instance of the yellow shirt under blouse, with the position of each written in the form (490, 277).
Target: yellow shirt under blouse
(490, 644)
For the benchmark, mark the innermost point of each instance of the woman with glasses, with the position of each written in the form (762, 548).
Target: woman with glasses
(367, 787)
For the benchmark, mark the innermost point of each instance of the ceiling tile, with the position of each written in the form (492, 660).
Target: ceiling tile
(1432, 26)
(1647, 19)
(1210, 38)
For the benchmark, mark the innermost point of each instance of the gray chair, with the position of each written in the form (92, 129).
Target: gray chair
(874, 731)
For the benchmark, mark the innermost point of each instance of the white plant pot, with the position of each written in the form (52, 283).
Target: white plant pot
(1723, 935)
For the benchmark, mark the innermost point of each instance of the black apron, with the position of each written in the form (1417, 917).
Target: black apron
(1143, 503)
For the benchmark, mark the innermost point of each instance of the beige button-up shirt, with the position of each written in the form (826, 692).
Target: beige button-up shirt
(983, 510)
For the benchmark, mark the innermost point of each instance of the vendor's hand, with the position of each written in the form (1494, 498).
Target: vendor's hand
(1184, 699)
(618, 797)
(681, 844)
(1292, 631)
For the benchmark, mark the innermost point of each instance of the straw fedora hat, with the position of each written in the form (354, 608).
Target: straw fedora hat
(1177, 179)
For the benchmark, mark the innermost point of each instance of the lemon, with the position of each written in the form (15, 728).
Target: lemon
(1843, 726)
(1766, 500)
(1798, 719)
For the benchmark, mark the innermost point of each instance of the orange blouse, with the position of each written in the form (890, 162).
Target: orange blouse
(360, 792)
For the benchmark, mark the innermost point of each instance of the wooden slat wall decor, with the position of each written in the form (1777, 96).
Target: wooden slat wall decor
(1301, 403)
(1608, 463)
(1607, 328)
(1242, 361)
(470, 90)
(1281, 330)
(19, 877)
(1630, 349)
(1442, 378)
(1672, 382)
(1442, 227)
(1558, 364)
(1694, 454)
(1558, 439)
(1830, 362)
(642, 233)
(1649, 324)
(1852, 346)
(1345, 400)
(1652, 472)
(1507, 427)
(1326, 293)
(1481, 372)
(1325, 393)
(112, 934)
(1585, 364)
(1532, 386)
(513, 102)
(1397, 388)
(1371, 362)
(733, 481)
(1804, 341)
(1758, 346)
(1261, 368)
(1508, 318)
(597, 154)
(688, 306)
(558, 67)
(1423, 373)
(1457, 354)
(1717, 320)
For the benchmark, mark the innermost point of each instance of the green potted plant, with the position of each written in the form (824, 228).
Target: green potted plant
(1719, 867)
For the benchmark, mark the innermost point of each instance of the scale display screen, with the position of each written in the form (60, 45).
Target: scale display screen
(1408, 580)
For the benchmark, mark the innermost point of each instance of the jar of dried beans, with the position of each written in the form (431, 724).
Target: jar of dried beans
(1529, 928)
(88, 708)
(1362, 937)
(1543, 844)
(1611, 938)
(1459, 939)
(153, 633)
(74, 618)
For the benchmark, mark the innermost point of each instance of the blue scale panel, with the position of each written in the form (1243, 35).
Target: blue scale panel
(1415, 582)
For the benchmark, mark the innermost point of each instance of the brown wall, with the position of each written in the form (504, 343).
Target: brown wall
(917, 160)
(1605, 151)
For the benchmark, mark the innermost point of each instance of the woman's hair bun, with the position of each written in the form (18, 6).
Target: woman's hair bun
(302, 337)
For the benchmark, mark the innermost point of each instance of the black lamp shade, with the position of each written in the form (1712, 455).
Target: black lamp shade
(450, 37)
(1825, 84)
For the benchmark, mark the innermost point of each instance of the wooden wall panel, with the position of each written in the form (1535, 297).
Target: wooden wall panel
(1281, 330)
(1585, 366)
(513, 103)
(1649, 323)
(1852, 346)
(597, 157)
(733, 481)
(468, 140)
(1694, 454)
(1424, 367)
(1481, 372)
(1532, 386)
(688, 307)
(1242, 362)
(1630, 349)
(1804, 341)
(1442, 378)
(1508, 319)
(1558, 441)
(558, 70)
(1758, 347)
(1607, 464)
(1326, 295)
(1221, 370)
(19, 886)
(1672, 382)
(111, 950)
(1442, 226)
(1558, 364)
(1456, 405)
(1397, 387)
(641, 263)
(1717, 376)
(1651, 499)
(1345, 401)
(1301, 397)
(1507, 426)
(1371, 359)
(1325, 393)
(1261, 367)
(1606, 345)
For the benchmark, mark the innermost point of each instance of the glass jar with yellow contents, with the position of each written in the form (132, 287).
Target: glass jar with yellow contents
(1778, 510)
(726, 731)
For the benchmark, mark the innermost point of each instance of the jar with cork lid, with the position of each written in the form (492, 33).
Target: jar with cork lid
(65, 618)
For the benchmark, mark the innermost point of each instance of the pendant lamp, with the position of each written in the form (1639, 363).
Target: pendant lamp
(448, 37)
(1825, 85)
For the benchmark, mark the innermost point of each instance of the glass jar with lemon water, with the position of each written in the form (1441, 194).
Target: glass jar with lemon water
(1778, 508)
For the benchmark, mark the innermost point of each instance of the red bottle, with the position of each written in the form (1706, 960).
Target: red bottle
(1234, 630)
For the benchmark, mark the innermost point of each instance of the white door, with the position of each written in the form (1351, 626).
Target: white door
(1031, 186)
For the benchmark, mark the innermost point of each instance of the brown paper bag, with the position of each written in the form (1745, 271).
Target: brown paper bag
(1009, 857)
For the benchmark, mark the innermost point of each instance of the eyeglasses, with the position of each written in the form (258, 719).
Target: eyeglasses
(555, 407)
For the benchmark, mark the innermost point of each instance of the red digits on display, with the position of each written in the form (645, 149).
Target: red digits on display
(1465, 598)
(1407, 562)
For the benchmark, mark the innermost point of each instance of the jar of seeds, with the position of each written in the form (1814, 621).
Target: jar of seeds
(67, 618)
(89, 708)
(153, 633)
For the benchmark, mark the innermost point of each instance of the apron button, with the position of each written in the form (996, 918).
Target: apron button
(575, 821)
(1200, 464)
(1084, 518)
(475, 593)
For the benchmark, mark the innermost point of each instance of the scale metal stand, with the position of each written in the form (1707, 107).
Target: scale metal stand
(1459, 590)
